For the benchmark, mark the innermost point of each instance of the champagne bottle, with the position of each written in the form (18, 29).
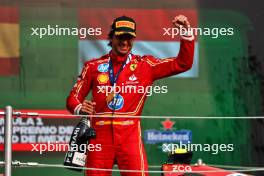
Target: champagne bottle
(77, 151)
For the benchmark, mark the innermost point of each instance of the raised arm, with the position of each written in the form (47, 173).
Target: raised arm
(171, 66)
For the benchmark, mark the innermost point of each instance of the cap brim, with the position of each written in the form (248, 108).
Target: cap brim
(125, 32)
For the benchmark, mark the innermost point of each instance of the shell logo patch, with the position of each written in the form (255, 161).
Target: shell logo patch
(133, 67)
(102, 78)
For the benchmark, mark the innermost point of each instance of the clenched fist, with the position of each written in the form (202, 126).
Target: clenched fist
(181, 21)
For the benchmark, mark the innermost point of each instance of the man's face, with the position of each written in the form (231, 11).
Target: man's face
(122, 44)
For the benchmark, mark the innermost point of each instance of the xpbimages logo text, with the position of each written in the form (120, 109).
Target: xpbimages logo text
(211, 148)
(214, 32)
(57, 30)
(128, 89)
(57, 147)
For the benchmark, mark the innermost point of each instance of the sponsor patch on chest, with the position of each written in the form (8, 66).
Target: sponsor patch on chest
(102, 78)
(133, 79)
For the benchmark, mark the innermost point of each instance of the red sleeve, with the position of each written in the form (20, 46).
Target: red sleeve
(171, 66)
(80, 89)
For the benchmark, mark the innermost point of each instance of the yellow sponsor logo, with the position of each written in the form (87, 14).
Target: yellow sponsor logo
(102, 78)
(133, 67)
(125, 24)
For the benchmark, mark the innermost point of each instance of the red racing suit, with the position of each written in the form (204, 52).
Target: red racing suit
(120, 138)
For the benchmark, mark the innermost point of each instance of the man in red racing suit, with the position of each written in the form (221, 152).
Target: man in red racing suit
(119, 137)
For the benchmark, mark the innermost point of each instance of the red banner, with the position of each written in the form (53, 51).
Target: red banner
(40, 129)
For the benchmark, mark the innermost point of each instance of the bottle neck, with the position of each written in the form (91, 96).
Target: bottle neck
(86, 121)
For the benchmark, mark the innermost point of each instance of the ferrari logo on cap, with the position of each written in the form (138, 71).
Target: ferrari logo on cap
(133, 67)
(103, 78)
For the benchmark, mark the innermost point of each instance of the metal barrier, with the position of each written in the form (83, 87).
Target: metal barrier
(8, 163)
(8, 140)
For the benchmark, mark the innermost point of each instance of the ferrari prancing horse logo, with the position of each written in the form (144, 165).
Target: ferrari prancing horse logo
(133, 67)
